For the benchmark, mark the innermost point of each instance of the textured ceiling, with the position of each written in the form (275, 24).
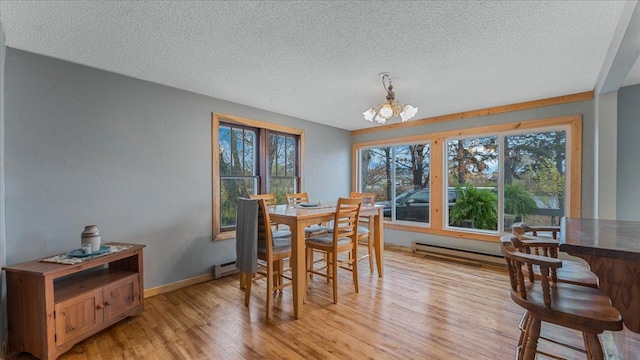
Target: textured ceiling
(319, 60)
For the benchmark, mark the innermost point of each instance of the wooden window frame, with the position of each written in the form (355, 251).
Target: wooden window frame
(438, 152)
(216, 119)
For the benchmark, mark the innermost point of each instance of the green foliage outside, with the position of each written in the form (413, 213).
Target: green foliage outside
(549, 184)
(517, 201)
(477, 205)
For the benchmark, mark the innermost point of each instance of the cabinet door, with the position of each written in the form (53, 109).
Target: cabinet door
(78, 316)
(121, 296)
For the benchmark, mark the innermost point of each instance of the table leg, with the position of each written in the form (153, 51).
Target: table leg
(298, 268)
(379, 242)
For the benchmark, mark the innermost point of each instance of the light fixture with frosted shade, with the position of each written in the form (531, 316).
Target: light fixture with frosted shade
(385, 111)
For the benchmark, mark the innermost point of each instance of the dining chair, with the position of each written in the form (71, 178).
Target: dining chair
(270, 200)
(246, 239)
(572, 272)
(343, 238)
(294, 199)
(521, 228)
(272, 252)
(297, 198)
(581, 308)
(366, 227)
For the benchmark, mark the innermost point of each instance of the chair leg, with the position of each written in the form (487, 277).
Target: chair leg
(533, 333)
(246, 279)
(524, 322)
(275, 274)
(281, 273)
(309, 262)
(370, 250)
(593, 346)
(354, 268)
(333, 258)
(270, 274)
(242, 279)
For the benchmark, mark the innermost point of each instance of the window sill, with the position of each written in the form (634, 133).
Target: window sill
(442, 232)
(225, 236)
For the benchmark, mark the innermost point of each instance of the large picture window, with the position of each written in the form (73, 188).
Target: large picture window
(250, 157)
(399, 176)
(478, 180)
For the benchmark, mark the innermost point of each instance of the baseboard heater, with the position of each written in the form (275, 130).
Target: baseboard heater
(225, 269)
(457, 253)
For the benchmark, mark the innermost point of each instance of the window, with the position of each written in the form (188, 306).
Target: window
(477, 180)
(399, 176)
(283, 168)
(238, 169)
(250, 157)
(472, 169)
(535, 177)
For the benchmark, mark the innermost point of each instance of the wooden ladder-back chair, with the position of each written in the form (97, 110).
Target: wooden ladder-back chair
(272, 252)
(366, 227)
(521, 228)
(581, 308)
(297, 198)
(572, 272)
(300, 198)
(342, 239)
(270, 200)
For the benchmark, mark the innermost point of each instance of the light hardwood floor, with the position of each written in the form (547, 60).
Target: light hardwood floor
(424, 308)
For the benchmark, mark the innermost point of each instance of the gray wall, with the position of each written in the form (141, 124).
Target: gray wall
(584, 108)
(628, 191)
(86, 146)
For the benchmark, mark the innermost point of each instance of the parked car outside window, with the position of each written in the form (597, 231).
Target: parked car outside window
(413, 205)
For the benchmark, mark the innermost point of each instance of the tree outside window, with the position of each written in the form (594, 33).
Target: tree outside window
(245, 170)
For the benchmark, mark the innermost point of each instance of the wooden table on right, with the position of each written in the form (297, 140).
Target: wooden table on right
(612, 249)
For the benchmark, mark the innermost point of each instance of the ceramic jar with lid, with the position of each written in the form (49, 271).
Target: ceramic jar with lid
(91, 235)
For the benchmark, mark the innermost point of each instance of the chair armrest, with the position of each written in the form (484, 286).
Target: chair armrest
(539, 241)
(542, 261)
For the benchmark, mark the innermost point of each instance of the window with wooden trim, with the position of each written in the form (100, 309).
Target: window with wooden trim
(399, 176)
(483, 179)
(250, 157)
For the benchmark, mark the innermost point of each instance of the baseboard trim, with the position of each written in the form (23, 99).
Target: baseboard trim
(177, 285)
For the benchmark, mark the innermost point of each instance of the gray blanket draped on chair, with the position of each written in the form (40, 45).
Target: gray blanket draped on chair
(247, 236)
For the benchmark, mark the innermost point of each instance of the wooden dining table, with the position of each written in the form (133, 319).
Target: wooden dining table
(612, 249)
(297, 218)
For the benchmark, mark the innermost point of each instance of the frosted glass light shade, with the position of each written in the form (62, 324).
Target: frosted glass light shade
(408, 112)
(369, 114)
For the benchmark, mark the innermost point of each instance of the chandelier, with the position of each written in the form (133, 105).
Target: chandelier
(385, 111)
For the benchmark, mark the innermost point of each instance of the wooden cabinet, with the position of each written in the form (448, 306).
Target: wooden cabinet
(52, 307)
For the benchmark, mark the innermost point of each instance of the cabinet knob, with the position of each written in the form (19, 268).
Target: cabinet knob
(100, 306)
(107, 303)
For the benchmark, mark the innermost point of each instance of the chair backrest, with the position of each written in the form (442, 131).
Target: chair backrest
(521, 228)
(345, 222)
(515, 261)
(265, 236)
(269, 199)
(367, 198)
(294, 199)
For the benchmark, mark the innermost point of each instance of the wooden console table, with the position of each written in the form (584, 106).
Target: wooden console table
(52, 307)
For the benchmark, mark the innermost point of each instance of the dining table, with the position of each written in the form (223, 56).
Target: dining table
(297, 217)
(612, 250)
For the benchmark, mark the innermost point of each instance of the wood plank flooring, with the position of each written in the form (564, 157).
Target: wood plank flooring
(424, 308)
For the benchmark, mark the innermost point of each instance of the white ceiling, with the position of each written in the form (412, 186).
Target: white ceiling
(319, 60)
